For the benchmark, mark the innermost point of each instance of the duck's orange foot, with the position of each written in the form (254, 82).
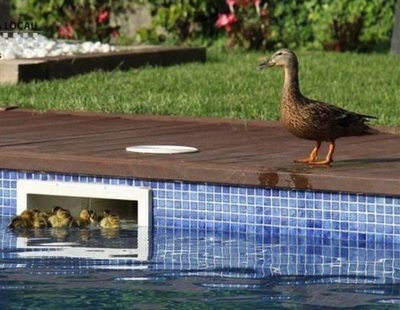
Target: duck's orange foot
(308, 160)
(312, 158)
(325, 163)
(314, 162)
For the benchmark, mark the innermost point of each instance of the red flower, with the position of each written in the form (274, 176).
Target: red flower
(102, 16)
(66, 31)
(226, 21)
(222, 20)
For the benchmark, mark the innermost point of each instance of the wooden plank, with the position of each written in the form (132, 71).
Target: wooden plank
(103, 140)
(78, 129)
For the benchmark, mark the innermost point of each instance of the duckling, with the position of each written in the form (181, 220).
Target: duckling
(24, 220)
(37, 212)
(86, 218)
(311, 119)
(61, 218)
(109, 220)
(39, 219)
(39, 222)
(27, 215)
(19, 222)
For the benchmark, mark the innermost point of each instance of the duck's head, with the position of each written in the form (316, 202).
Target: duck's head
(85, 215)
(19, 223)
(284, 57)
(39, 222)
(27, 215)
(110, 220)
(61, 213)
(113, 221)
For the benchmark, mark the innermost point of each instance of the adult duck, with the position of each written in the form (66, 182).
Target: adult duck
(312, 119)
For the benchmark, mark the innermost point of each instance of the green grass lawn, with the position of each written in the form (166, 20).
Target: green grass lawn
(228, 85)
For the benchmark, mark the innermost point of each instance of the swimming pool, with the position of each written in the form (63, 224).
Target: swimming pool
(188, 269)
(211, 246)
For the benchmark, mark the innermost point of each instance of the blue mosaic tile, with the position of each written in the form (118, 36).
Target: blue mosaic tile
(243, 209)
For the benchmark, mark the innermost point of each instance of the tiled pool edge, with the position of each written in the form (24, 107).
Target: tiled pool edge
(361, 219)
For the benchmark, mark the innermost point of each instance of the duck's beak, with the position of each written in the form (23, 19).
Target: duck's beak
(266, 64)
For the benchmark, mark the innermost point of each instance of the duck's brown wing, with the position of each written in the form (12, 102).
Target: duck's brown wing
(336, 122)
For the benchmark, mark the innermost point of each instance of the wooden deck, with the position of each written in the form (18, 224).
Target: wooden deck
(231, 151)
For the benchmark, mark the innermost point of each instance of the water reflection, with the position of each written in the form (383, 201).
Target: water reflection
(183, 268)
(128, 242)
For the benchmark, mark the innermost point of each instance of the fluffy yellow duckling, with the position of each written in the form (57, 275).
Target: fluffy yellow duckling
(39, 219)
(109, 220)
(61, 218)
(86, 217)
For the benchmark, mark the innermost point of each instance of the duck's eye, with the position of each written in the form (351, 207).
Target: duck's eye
(279, 54)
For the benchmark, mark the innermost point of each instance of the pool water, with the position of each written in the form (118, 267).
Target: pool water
(186, 269)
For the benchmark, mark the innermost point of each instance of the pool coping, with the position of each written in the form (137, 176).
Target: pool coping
(375, 171)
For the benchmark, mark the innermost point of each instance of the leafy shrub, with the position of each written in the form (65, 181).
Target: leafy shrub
(45, 15)
(290, 26)
(252, 24)
(339, 25)
(186, 20)
(70, 19)
(181, 20)
(333, 25)
(246, 23)
(352, 24)
(90, 20)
